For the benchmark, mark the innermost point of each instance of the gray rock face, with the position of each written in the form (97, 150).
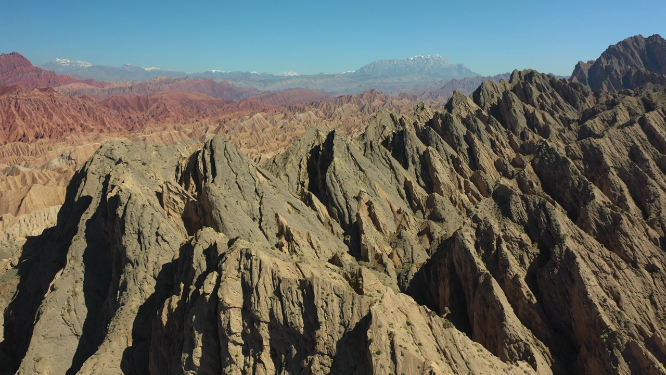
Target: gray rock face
(507, 233)
(627, 65)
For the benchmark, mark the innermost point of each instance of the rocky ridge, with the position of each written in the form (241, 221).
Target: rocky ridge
(507, 232)
(441, 91)
(43, 168)
(629, 64)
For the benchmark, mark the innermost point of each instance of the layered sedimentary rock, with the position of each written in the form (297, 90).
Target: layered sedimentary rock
(507, 232)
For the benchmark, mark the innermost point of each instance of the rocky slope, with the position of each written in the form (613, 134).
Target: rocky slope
(627, 65)
(34, 174)
(505, 233)
(32, 114)
(293, 97)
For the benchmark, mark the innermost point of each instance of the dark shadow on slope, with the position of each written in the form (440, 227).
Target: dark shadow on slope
(135, 358)
(425, 288)
(351, 354)
(316, 183)
(208, 323)
(542, 272)
(42, 258)
(98, 272)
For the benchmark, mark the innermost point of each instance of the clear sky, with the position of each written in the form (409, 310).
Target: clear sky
(489, 37)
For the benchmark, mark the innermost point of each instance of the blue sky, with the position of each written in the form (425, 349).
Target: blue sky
(489, 37)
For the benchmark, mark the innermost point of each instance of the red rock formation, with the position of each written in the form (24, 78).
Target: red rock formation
(17, 70)
(27, 115)
(292, 97)
(223, 90)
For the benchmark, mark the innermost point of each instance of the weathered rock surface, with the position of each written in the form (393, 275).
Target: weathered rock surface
(629, 64)
(517, 230)
(62, 132)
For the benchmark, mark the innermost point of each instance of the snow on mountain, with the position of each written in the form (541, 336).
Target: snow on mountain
(288, 74)
(67, 62)
(430, 65)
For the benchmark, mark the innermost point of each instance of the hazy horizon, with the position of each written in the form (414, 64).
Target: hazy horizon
(308, 38)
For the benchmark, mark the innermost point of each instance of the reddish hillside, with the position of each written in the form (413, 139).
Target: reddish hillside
(222, 90)
(30, 114)
(369, 102)
(292, 97)
(17, 70)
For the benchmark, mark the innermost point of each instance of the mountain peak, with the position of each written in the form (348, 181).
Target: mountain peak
(67, 62)
(430, 65)
(288, 74)
(429, 57)
(14, 60)
(15, 69)
(626, 65)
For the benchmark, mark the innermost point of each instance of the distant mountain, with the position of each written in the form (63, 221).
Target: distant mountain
(116, 74)
(65, 62)
(17, 70)
(432, 66)
(625, 65)
(383, 75)
(221, 90)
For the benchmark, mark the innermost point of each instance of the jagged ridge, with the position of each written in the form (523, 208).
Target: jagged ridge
(513, 215)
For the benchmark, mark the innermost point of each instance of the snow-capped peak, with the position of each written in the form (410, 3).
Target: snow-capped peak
(67, 62)
(154, 68)
(431, 57)
(288, 74)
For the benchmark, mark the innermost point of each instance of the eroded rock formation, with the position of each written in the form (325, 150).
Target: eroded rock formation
(517, 230)
(629, 64)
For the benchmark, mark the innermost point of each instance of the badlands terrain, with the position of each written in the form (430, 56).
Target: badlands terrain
(509, 226)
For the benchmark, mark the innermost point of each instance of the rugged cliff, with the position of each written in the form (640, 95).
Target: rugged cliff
(629, 64)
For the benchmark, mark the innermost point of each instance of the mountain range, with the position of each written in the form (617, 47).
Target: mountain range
(519, 229)
(383, 75)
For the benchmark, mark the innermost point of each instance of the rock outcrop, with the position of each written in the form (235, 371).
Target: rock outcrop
(629, 64)
(518, 230)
